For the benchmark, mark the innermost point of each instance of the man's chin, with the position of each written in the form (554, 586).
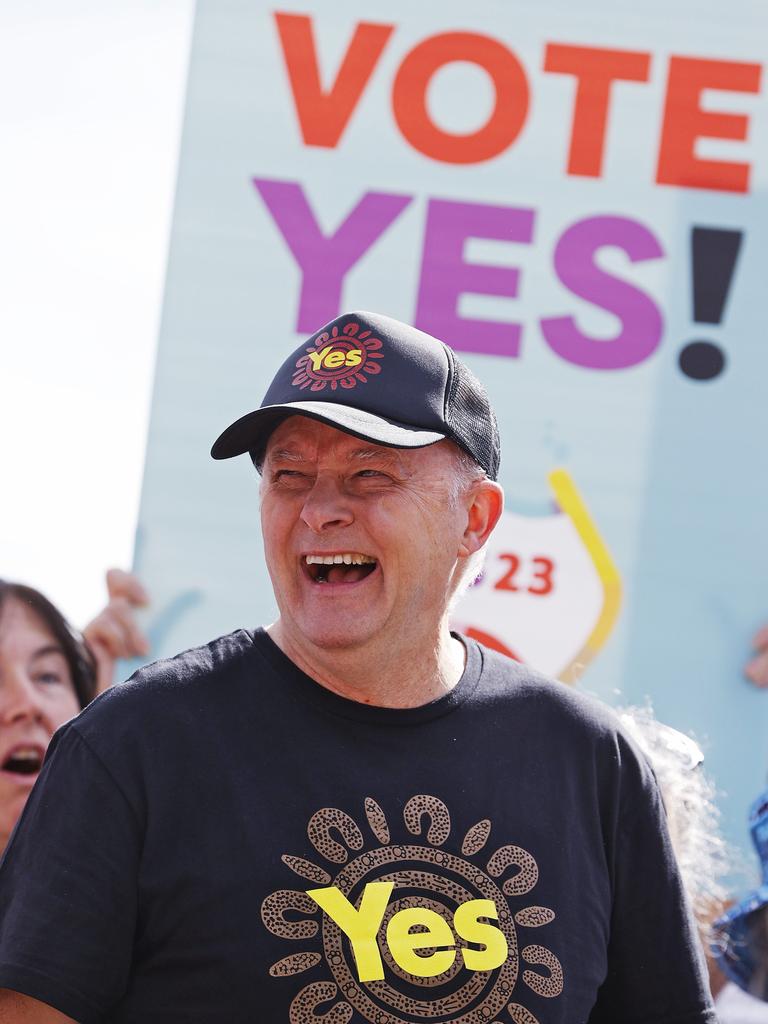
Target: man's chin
(336, 639)
(335, 633)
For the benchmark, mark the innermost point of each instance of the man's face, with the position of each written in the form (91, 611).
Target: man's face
(387, 516)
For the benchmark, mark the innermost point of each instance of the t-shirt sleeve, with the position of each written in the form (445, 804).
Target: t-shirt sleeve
(68, 886)
(656, 969)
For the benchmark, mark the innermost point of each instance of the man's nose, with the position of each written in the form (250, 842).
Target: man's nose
(19, 698)
(327, 505)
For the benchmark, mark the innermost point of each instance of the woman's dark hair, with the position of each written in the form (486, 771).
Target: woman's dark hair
(82, 664)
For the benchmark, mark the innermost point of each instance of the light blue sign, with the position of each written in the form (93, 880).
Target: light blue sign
(572, 197)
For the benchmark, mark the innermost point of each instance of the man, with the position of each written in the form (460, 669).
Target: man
(352, 816)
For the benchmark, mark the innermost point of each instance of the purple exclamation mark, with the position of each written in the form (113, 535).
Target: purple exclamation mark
(714, 252)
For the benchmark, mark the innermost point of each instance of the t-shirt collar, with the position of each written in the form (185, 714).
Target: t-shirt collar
(309, 689)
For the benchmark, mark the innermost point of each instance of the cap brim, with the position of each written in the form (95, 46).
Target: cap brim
(250, 432)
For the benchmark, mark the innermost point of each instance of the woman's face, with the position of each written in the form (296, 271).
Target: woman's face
(37, 695)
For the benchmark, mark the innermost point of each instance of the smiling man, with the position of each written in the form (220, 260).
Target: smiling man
(352, 815)
(360, 544)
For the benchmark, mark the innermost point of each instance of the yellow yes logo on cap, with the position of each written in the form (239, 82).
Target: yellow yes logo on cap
(337, 358)
(332, 359)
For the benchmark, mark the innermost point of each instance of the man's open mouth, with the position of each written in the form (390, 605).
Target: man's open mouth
(24, 760)
(349, 567)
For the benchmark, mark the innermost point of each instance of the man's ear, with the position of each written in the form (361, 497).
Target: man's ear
(483, 512)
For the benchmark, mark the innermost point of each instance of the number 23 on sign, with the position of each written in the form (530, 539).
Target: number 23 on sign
(535, 575)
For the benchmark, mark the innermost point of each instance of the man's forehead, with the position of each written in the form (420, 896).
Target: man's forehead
(302, 437)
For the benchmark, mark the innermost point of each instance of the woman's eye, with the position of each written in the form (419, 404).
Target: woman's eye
(49, 678)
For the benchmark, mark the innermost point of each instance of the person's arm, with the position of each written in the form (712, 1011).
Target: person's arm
(69, 878)
(656, 969)
(756, 670)
(16, 1008)
(114, 633)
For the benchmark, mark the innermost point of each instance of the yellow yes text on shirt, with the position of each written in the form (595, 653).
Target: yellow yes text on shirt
(361, 926)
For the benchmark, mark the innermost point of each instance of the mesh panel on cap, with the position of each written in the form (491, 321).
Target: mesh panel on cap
(471, 419)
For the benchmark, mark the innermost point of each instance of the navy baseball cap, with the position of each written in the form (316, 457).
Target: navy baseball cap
(378, 379)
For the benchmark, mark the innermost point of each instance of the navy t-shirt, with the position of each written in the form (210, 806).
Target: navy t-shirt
(223, 840)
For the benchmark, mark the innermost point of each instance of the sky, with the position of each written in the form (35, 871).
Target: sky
(91, 105)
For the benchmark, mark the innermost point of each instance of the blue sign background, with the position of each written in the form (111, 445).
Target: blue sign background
(673, 469)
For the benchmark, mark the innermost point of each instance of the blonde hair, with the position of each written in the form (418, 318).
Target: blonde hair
(689, 797)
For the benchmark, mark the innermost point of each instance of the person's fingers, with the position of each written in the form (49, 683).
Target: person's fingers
(125, 584)
(757, 670)
(115, 633)
(760, 639)
(105, 665)
(107, 632)
(117, 630)
(121, 610)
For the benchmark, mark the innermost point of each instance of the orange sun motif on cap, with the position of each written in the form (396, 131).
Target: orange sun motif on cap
(339, 359)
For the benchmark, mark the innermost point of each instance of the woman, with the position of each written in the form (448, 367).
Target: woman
(702, 854)
(49, 672)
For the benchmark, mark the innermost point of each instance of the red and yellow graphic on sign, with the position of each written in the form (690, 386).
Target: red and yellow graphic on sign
(550, 592)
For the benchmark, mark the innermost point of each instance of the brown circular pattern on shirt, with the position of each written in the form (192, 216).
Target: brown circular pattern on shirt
(403, 904)
(319, 832)
(306, 869)
(427, 881)
(548, 987)
(476, 838)
(294, 964)
(273, 910)
(303, 1006)
(377, 820)
(425, 876)
(534, 917)
(520, 1015)
(439, 818)
(461, 1005)
(525, 879)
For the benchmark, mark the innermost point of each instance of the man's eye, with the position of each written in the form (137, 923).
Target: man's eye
(291, 479)
(379, 477)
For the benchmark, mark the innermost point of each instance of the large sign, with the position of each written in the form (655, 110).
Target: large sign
(572, 196)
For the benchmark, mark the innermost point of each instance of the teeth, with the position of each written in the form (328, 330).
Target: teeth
(27, 755)
(348, 558)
